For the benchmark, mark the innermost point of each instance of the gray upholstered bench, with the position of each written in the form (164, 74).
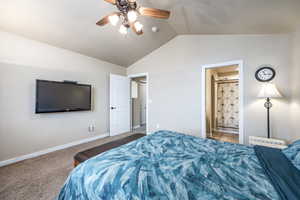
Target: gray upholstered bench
(89, 153)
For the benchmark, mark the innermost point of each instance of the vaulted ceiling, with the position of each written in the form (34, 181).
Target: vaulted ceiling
(70, 24)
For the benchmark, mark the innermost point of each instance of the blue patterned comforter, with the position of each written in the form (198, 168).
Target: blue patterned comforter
(171, 166)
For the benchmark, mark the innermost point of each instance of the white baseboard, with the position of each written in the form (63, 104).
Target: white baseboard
(52, 149)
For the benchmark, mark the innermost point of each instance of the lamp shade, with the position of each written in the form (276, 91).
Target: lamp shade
(269, 90)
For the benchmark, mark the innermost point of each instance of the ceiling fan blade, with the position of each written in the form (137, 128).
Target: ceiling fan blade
(111, 1)
(134, 30)
(105, 20)
(153, 12)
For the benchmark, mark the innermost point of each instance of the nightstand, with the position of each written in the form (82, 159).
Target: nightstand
(268, 142)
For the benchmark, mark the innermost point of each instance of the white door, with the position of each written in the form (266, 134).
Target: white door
(119, 104)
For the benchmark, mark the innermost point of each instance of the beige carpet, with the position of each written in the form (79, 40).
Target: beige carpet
(41, 178)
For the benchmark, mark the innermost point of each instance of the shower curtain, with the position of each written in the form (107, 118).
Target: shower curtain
(228, 105)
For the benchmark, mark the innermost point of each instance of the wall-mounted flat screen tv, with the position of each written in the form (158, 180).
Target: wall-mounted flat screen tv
(53, 96)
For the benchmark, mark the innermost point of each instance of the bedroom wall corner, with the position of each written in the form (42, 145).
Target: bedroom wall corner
(177, 66)
(22, 61)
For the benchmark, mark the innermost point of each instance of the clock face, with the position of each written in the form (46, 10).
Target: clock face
(265, 74)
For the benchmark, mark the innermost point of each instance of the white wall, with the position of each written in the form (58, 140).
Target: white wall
(22, 61)
(175, 80)
(174, 87)
(295, 84)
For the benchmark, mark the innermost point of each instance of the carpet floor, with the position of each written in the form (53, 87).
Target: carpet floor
(41, 178)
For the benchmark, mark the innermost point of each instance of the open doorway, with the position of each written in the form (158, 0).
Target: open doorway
(223, 98)
(139, 87)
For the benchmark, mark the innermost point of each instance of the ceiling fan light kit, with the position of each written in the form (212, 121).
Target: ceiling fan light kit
(132, 16)
(138, 26)
(123, 29)
(128, 14)
(114, 19)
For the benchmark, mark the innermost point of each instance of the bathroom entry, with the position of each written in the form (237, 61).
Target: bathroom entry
(223, 103)
(139, 104)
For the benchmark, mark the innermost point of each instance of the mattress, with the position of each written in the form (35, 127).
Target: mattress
(170, 165)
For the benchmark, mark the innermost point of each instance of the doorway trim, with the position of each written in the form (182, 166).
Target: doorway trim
(240, 63)
(131, 76)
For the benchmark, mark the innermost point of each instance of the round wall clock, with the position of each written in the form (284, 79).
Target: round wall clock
(265, 74)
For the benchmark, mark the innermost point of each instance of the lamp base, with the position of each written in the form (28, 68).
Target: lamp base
(268, 104)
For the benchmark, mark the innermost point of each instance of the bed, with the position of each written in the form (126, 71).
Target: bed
(173, 166)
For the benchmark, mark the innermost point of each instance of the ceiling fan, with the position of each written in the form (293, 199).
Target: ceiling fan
(128, 14)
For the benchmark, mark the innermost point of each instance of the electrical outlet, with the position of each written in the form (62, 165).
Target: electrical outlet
(157, 126)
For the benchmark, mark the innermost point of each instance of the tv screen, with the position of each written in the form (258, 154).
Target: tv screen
(52, 96)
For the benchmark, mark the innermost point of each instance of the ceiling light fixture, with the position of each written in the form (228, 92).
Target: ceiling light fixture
(138, 26)
(128, 13)
(132, 16)
(123, 29)
(114, 19)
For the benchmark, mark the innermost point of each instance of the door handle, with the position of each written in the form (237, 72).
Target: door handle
(113, 108)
